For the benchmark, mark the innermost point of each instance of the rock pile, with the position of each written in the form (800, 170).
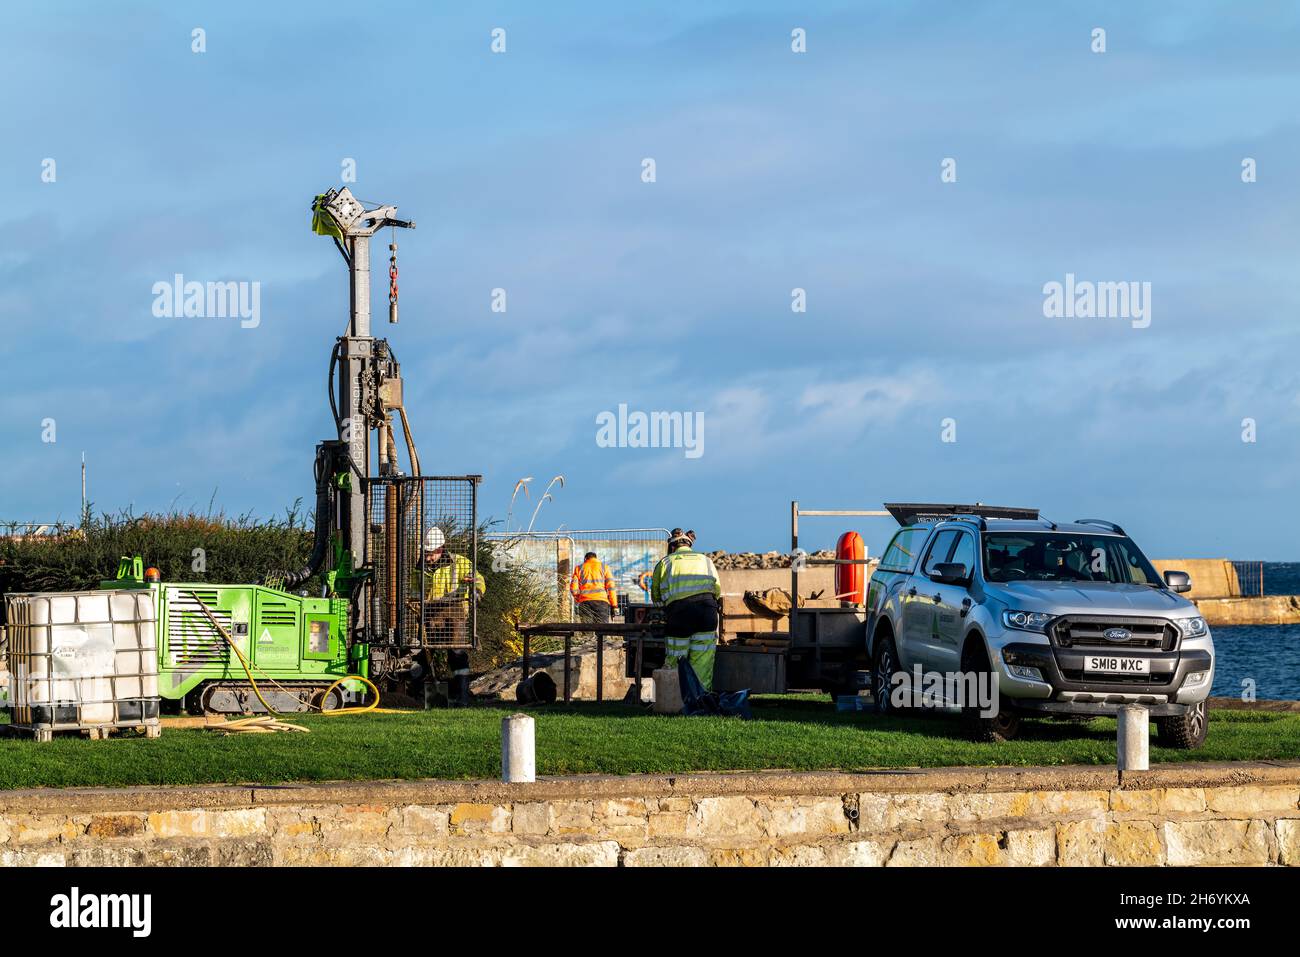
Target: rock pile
(759, 560)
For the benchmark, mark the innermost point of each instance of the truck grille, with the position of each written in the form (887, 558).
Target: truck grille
(1088, 631)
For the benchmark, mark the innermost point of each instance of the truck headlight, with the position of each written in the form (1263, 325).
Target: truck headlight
(1196, 679)
(1026, 620)
(1193, 627)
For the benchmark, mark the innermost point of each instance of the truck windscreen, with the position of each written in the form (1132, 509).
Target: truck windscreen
(1057, 556)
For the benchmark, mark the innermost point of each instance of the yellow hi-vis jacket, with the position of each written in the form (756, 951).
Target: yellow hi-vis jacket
(451, 579)
(684, 573)
(592, 581)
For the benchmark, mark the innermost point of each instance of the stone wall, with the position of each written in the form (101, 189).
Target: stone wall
(1260, 610)
(1186, 815)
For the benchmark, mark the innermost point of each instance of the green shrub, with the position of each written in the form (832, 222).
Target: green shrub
(220, 549)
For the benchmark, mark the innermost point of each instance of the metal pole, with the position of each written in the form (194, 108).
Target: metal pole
(600, 667)
(526, 666)
(794, 570)
(568, 658)
(640, 652)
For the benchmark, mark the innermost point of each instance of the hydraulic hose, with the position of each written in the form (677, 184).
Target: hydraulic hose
(321, 541)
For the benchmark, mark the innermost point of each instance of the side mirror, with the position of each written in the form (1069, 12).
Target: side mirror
(1178, 581)
(950, 573)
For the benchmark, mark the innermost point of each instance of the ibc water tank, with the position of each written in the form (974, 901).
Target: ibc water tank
(83, 660)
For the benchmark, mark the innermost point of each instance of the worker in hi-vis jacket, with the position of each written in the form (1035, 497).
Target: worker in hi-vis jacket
(592, 588)
(687, 583)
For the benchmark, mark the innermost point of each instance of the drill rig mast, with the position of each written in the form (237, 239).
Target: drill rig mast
(376, 516)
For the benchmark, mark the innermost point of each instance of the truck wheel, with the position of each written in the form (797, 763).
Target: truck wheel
(1003, 726)
(1185, 731)
(884, 667)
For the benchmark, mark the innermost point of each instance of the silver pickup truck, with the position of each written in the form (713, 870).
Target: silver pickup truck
(1059, 620)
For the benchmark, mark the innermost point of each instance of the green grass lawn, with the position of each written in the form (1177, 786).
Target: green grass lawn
(794, 732)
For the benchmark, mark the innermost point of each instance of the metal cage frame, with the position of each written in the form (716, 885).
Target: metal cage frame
(400, 509)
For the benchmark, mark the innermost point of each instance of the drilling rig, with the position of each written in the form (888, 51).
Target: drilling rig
(395, 551)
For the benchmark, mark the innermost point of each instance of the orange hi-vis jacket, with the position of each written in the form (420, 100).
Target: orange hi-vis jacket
(592, 581)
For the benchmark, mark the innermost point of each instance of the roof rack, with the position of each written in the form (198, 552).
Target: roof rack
(1102, 522)
(914, 513)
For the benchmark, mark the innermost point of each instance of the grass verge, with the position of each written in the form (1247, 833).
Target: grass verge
(792, 732)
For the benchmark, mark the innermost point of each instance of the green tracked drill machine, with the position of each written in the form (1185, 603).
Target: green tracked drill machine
(373, 615)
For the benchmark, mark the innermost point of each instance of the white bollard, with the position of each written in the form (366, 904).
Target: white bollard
(518, 749)
(1133, 744)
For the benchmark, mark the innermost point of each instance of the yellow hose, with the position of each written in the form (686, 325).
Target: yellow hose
(248, 666)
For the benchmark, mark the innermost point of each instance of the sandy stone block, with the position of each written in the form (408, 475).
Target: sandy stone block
(738, 856)
(370, 820)
(857, 854)
(532, 819)
(1058, 803)
(1081, 843)
(1158, 801)
(916, 809)
(422, 822)
(1133, 844)
(242, 822)
(667, 823)
(873, 811)
(413, 856)
(595, 854)
(1201, 843)
(980, 806)
(572, 817)
(477, 818)
(108, 826)
(44, 829)
(187, 823)
(682, 805)
(728, 816)
(245, 854)
(666, 857)
(177, 855)
(797, 855)
(106, 855)
(1288, 841)
(920, 853)
(1252, 800)
(801, 816)
(971, 850)
(1031, 847)
(32, 857)
(623, 819)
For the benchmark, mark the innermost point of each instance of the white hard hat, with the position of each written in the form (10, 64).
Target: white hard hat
(433, 539)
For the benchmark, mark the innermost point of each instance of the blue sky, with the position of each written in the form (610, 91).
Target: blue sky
(775, 170)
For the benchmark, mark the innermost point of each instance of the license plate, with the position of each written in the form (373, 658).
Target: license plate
(1117, 666)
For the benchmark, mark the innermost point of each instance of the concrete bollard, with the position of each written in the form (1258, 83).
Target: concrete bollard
(518, 749)
(1133, 744)
(668, 691)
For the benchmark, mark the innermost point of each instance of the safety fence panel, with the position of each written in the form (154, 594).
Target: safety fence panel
(551, 558)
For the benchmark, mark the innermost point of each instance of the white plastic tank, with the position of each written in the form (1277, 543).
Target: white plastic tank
(83, 659)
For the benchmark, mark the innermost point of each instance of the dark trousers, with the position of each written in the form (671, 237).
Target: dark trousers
(690, 616)
(593, 611)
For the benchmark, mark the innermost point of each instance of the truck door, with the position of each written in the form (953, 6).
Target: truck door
(953, 601)
(920, 602)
